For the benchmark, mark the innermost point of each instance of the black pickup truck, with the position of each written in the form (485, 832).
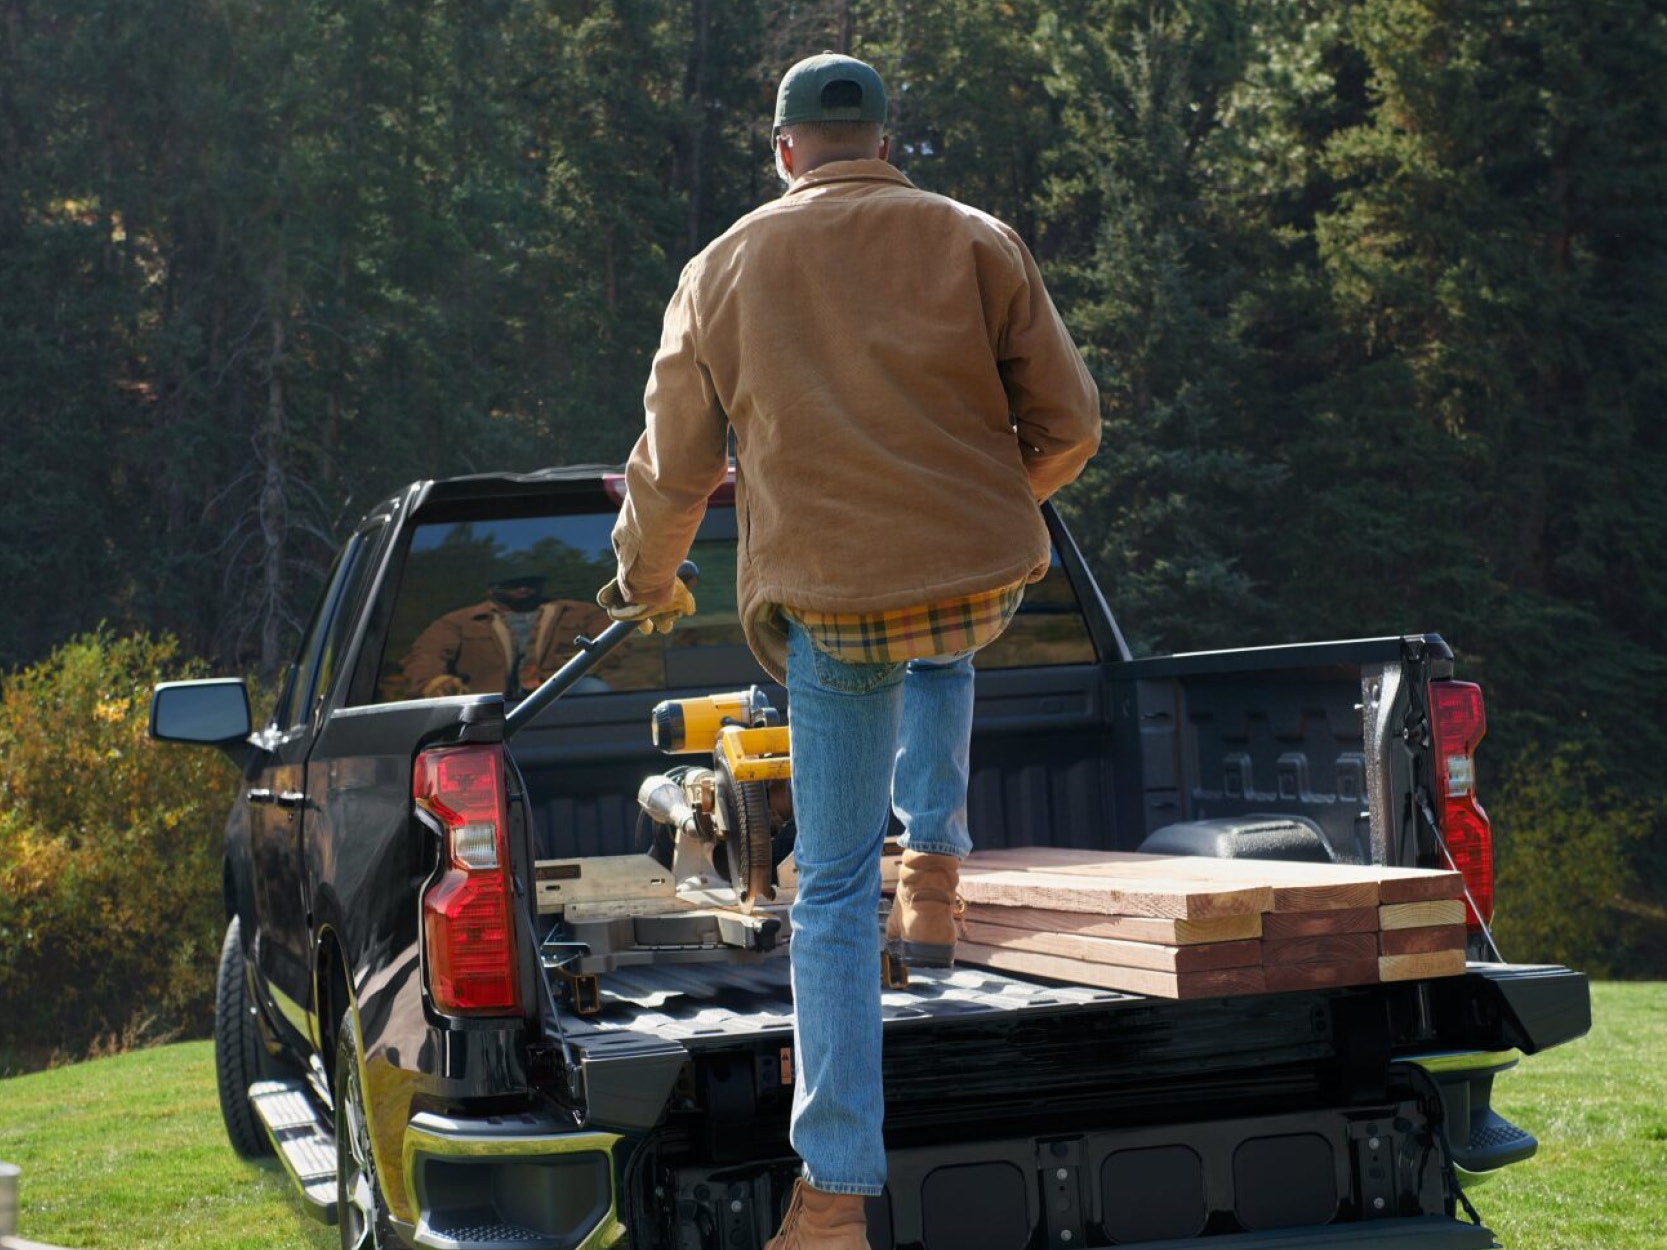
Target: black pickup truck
(409, 876)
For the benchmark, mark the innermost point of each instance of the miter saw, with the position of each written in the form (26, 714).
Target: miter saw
(730, 824)
(709, 891)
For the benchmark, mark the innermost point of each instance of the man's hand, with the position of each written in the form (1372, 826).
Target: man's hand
(653, 616)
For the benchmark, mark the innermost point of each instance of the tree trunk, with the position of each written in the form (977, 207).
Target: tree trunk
(697, 127)
(11, 145)
(274, 506)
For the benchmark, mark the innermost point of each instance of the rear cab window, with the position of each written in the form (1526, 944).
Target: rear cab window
(492, 596)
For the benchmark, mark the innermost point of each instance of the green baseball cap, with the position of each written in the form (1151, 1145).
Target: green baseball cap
(518, 573)
(830, 88)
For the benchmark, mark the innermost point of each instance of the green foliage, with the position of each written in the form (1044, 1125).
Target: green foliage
(1182, 471)
(110, 849)
(1565, 841)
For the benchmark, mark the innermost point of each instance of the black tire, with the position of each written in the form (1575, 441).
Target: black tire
(239, 1060)
(361, 1214)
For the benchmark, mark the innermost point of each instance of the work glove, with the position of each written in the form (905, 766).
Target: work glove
(653, 616)
(443, 685)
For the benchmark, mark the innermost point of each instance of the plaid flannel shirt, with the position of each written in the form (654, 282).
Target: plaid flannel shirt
(894, 635)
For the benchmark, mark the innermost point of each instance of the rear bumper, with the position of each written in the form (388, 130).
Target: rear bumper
(1363, 1175)
(510, 1182)
(1431, 1232)
(1524, 1007)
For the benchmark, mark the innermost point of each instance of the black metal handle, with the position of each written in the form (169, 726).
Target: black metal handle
(592, 651)
(291, 798)
(259, 796)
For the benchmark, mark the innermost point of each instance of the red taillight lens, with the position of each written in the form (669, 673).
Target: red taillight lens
(468, 927)
(1458, 722)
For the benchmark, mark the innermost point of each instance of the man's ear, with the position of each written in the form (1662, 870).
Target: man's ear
(885, 147)
(784, 151)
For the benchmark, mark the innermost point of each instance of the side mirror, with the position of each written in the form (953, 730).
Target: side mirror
(210, 713)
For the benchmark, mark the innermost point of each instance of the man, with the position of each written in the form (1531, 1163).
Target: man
(505, 645)
(902, 394)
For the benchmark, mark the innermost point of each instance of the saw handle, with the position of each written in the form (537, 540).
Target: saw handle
(592, 651)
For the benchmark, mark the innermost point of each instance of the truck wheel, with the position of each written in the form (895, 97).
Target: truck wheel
(239, 1060)
(361, 1214)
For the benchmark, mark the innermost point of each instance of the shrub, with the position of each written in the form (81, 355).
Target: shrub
(1565, 837)
(110, 848)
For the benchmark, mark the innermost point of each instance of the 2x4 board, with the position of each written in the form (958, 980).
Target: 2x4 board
(1191, 927)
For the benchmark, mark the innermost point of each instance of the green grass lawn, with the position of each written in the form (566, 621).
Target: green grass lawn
(129, 1152)
(1599, 1108)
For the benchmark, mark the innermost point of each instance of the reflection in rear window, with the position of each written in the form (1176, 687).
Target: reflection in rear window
(1049, 628)
(493, 605)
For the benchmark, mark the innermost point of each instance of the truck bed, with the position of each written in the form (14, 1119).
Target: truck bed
(705, 1005)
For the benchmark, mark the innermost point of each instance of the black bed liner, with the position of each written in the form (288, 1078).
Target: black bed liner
(717, 1004)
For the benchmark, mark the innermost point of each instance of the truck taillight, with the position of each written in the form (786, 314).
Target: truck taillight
(468, 927)
(1458, 721)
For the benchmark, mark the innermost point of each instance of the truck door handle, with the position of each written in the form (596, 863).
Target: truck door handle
(291, 799)
(259, 796)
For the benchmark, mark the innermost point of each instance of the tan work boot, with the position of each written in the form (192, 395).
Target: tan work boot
(921, 929)
(819, 1221)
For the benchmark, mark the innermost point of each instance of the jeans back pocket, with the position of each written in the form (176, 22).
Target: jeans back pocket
(845, 678)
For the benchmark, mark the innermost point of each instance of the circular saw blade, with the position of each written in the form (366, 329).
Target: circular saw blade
(744, 809)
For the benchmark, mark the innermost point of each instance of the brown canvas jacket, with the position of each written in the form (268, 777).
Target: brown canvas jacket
(474, 645)
(902, 393)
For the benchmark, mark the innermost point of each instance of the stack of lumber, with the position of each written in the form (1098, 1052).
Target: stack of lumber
(1188, 927)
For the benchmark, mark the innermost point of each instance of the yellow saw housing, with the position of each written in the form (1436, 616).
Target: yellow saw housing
(756, 754)
(691, 726)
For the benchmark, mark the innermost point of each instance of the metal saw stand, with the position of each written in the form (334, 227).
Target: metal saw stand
(628, 911)
(691, 934)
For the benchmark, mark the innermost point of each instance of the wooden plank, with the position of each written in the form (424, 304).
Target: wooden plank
(1418, 885)
(1161, 929)
(1417, 967)
(1296, 924)
(1319, 896)
(1441, 937)
(1322, 976)
(1216, 983)
(1156, 896)
(1420, 915)
(1295, 886)
(1115, 951)
(1321, 948)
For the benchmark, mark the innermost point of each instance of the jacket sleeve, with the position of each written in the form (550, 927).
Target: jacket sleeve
(678, 461)
(433, 654)
(1054, 400)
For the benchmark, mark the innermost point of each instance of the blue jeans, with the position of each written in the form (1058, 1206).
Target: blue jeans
(865, 738)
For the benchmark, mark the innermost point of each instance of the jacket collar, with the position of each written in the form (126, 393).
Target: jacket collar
(873, 170)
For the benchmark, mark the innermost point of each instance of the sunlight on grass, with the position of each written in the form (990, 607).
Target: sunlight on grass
(130, 1152)
(1599, 1108)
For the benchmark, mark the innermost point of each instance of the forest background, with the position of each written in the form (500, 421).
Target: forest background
(1375, 291)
